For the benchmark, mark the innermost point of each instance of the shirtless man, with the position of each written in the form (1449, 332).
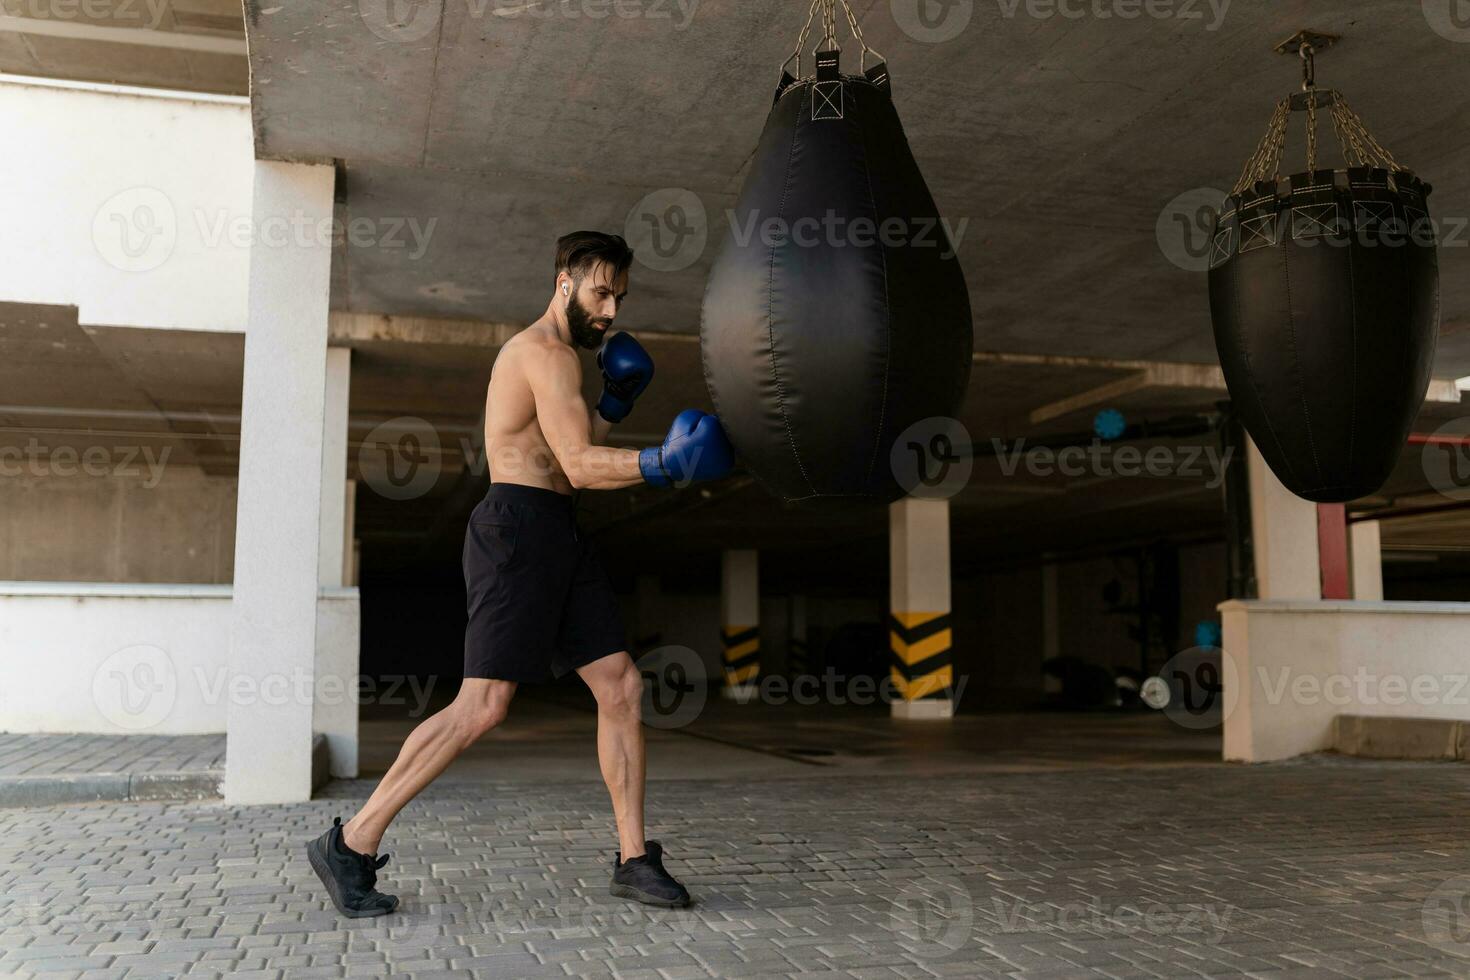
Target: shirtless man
(540, 603)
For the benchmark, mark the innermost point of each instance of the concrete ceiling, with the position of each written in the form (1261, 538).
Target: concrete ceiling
(1062, 143)
(196, 45)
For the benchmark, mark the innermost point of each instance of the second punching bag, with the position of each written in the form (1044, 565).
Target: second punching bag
(836, 315)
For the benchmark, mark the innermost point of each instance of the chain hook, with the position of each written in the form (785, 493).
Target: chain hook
(1309, 75)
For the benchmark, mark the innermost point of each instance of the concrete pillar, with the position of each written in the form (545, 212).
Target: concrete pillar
(279, 514)
(919, 607)
(740, 618)
(1366, 549)
(336, 530)
(798, 662)
(1283, 535)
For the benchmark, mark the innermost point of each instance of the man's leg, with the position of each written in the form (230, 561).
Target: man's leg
(480, 705)
(618, 688)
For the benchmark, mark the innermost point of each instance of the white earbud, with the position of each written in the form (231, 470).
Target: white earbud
(566, 290)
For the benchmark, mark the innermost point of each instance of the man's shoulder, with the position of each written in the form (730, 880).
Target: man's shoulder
(535, 350)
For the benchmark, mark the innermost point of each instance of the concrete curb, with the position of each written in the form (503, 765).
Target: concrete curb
(117, 787)
(135, 787)
(1377, 737)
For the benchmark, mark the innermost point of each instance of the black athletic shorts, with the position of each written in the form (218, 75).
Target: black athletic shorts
(540, 604)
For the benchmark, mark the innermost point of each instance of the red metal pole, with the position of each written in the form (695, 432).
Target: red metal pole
(1332, 550)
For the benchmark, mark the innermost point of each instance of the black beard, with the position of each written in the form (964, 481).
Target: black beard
(584, 334)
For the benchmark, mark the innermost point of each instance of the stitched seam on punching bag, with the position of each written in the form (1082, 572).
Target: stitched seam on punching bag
(1296, 364)
(771, 299)
(1250, 371)
(887, 320)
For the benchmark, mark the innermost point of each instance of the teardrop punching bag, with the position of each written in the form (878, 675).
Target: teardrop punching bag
(1324, 295)
(836, 314)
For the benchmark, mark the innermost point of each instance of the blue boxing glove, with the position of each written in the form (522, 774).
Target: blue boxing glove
(626, 371)
(696, 449)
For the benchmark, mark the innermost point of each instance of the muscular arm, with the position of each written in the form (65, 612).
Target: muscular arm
(600, 427)
(568, 428)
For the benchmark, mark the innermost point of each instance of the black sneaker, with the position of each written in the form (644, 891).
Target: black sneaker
(348, 875)
(643, 879)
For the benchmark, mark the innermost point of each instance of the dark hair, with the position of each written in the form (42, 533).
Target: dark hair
(580, 251)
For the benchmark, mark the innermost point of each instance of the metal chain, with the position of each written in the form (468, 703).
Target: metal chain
(811, 14)
(1369, 151)
(1263, 163)
(829, 34)
(1311, 129)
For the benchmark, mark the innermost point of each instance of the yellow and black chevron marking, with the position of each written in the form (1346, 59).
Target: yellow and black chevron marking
(742, 645)
(922, 665)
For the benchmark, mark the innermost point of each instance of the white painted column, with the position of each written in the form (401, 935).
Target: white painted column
(1283, 536)
(1365, 551)
(279, 517)
(740, 619)
(334, 710)
(336, 533)
(919, 604)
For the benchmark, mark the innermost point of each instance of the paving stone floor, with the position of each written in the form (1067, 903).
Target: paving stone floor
(35, 755)
(1319, 868)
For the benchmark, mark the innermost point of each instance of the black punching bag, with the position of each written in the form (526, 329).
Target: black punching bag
(1324, 295)
(836, 314)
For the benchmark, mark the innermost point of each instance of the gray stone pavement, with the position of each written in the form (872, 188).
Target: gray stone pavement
(1319, 868)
